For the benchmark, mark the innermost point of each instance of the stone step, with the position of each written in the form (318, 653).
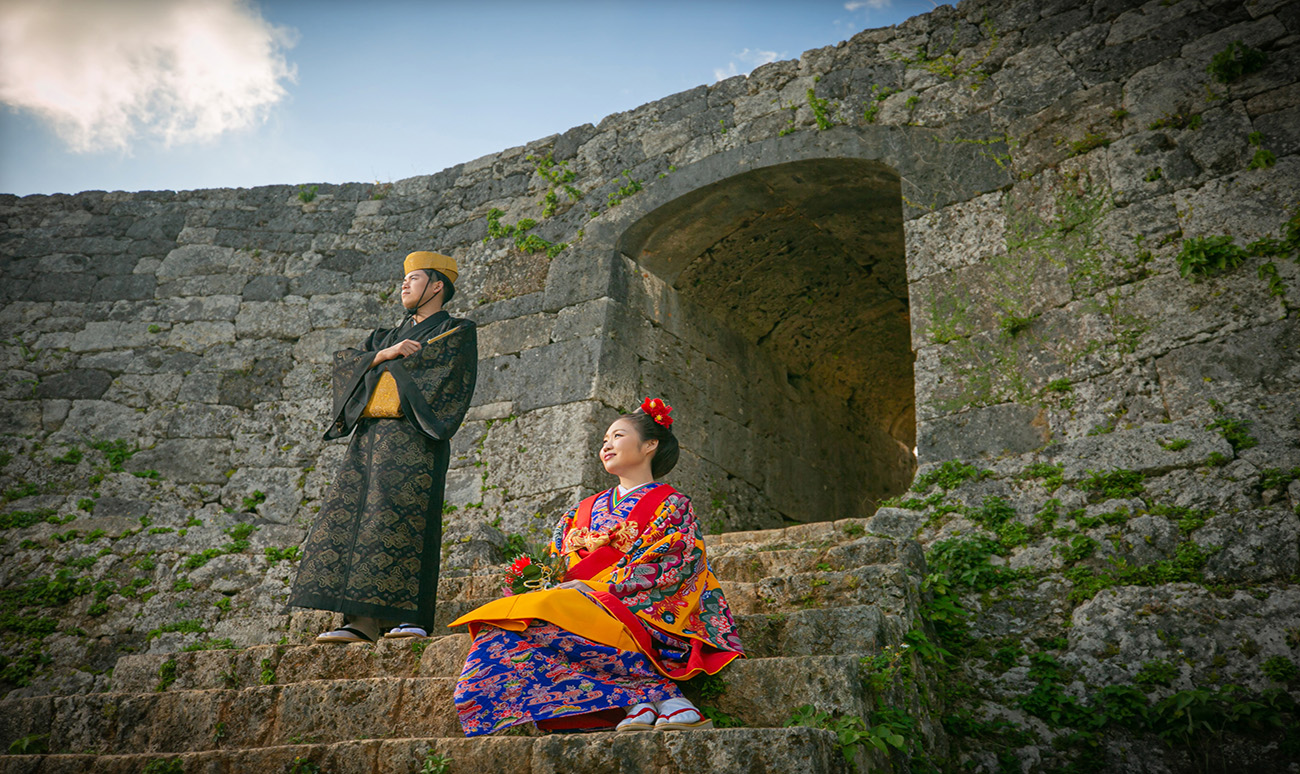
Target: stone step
(722, 751)
(893, 587)
(744, 563)
(759, 692)
(737, 562)
(855, 630)
(817, 533)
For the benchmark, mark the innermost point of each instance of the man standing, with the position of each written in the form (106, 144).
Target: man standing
(372, 553)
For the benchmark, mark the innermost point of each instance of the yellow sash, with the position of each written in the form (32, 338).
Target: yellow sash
(384, 401)
(568, 609)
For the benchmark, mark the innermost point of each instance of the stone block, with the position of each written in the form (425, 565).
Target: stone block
(186, 460)
(1218, 306)
(204, 285)
(1248, 205)
(508, 337)
(189, 260)
(983, 432)
(129, 287)
(97, 419)
(107, 335)
(200, 388)
(959, 235)
(217, 307)
(1236, 367)
(320, 346)
(78, 384)
(199, 336)
(558, 373)
(1033, 79)
(279, 319)
(541, 450)
(1140, 449)
(1254, 546)
(266, 288)
(144, 391)
(60, 287)
(1148, 164)
(279, 485)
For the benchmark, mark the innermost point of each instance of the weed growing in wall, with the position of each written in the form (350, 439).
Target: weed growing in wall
(1236, 62)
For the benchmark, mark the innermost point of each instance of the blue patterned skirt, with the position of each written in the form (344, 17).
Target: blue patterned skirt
(544, 673)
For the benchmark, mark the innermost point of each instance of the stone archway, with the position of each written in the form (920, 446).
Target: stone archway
(804, 262)
(765, 288)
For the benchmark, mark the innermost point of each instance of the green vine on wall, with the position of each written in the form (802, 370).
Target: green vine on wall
(951, 64)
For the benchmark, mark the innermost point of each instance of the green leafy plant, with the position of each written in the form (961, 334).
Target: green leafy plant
(71, 457)
(1203, 257)
(1235, 62)
(164, 766)
(32, 744)
(871, 106)
(224, 643)
(851, 730)
(307, 194)
(166, 674)
(821, 110)
(291, 554)
(116, 452)
(1177, 444)
(1234, 431)
(629, 187)
(1156, 672)
(1052, 476)
(1114, 483)
(1280, 669)
(267, 676)
(1089, 142)
(255, 499)
(1177, 121)
(188, 626)
(435, 763)
(949, 475)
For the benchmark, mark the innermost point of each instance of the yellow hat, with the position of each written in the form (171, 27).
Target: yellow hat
(436, 261)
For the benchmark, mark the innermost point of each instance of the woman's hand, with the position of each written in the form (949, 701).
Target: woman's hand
(573, 584)
(404, 348)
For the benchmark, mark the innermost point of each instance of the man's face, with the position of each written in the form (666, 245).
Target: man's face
(416, 287)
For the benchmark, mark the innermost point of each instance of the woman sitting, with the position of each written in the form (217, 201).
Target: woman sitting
(638, 608)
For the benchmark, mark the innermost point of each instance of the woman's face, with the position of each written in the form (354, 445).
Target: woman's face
(623, 450)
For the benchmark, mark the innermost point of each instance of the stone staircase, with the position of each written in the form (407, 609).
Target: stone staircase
(810, 601)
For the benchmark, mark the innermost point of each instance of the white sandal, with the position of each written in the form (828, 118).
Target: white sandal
(684, 717)
(344, 634)
(406, 631)
(641, 717)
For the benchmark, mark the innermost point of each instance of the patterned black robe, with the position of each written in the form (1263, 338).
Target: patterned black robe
(374, 547)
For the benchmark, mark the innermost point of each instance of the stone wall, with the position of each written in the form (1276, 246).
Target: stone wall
(967, 235)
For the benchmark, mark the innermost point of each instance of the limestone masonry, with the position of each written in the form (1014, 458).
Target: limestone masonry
(981, 333)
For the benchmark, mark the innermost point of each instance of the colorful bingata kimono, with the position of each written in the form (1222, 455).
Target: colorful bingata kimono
(374, 547)
(651, 613)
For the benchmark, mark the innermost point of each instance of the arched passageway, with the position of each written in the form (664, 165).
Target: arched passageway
(804, 262)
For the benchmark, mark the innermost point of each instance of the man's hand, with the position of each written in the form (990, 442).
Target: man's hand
(404, 348)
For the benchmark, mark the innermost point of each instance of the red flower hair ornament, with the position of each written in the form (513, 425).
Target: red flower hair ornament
(658, 411)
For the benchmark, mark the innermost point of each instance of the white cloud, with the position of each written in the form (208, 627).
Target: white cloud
(872, 5)
(103, 73)
(752, 57)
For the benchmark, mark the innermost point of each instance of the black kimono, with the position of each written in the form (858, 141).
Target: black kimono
(374, 548)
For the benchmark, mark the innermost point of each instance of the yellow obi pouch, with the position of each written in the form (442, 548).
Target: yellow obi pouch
(385, 402)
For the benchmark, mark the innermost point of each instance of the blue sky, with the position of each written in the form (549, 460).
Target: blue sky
(239, 94)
